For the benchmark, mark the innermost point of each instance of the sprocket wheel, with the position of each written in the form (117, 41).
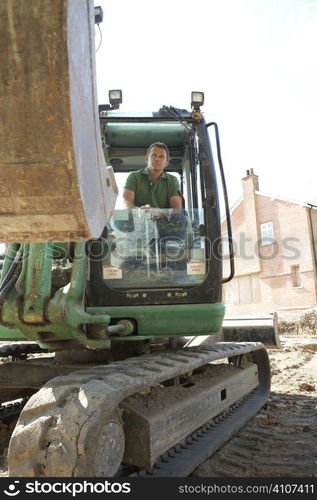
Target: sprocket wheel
(65, 430)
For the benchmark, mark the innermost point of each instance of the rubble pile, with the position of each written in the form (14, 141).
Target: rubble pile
(307, 322)
(304, 324)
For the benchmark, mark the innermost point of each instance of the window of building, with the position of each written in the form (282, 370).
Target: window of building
(296, 280)
(267, 233)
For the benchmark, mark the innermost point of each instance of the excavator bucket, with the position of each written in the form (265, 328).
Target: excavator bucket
(53, 179)
(252, 329)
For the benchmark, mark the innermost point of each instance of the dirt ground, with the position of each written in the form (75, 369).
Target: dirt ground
(280, 441)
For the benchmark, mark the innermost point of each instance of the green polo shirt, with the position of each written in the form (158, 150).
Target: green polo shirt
(157, 195)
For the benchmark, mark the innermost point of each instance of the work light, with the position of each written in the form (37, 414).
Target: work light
(115, 98)
(197, 100)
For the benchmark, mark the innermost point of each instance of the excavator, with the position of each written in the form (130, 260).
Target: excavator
(110, 318)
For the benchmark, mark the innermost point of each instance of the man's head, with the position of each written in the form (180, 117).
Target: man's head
(157, 156)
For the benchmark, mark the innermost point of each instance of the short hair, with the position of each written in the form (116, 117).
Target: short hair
(158, 145)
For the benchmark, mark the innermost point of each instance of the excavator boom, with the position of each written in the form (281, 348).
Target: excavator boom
(53, 179)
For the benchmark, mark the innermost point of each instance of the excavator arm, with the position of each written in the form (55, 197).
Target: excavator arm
(54, 183)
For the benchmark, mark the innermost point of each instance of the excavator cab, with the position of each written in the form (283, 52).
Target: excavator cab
(160, 257)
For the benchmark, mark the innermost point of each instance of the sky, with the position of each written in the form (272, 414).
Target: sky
(256, 62)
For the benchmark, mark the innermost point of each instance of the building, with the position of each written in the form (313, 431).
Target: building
(274, 244)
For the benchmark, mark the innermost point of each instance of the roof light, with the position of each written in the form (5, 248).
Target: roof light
(115, 98)
(197, 100)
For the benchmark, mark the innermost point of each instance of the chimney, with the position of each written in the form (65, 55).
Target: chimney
(250, 182)
(251, 226)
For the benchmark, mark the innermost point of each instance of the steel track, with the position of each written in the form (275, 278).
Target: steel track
(182, 459)
(117, 381)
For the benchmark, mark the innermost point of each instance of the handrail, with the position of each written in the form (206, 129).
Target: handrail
(224, 187)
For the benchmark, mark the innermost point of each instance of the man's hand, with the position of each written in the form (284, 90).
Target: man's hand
(156, 213)
(149, 212)
(160, 215)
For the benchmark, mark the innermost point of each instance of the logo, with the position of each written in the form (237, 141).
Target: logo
(13, 491)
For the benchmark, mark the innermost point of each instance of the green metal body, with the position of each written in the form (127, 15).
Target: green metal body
(34, 308)
(29, 312)
(169, 320)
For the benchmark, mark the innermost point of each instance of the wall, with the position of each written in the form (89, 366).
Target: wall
(263, 280)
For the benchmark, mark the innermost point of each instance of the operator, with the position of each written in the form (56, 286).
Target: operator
(151, 187)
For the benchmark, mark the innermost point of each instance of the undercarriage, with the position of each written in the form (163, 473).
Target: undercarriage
(158, 414)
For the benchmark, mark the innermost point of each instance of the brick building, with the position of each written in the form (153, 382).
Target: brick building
(274, 242)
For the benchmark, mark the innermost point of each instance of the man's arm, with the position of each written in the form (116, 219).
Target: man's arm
(129, 197)
(175, 199)
(176, 202)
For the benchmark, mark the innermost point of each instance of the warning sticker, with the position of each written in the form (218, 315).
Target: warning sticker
(196, 267)
(112, 273)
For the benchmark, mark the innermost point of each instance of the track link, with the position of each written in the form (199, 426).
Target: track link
(72, 425)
